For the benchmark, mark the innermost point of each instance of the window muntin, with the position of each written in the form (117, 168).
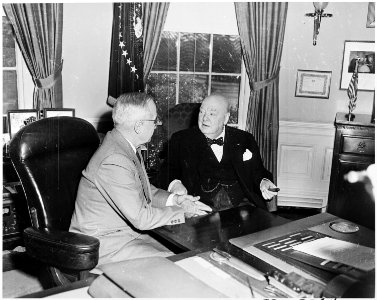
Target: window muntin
(10, 94)
(202, 64)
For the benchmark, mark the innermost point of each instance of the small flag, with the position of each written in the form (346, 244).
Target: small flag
(352, 89)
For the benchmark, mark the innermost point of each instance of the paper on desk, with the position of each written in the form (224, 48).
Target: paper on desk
(347, 253)
(216, 278)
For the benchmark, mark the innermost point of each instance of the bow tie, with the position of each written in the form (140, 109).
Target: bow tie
(218, 141)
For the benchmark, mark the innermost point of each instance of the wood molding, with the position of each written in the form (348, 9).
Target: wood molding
(304, 163)
(323, 129)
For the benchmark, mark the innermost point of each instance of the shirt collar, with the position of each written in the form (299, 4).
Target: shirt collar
(222, 134)
(132, 146)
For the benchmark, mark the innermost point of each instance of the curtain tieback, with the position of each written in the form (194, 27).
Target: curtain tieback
(49, 81)
(257, 85)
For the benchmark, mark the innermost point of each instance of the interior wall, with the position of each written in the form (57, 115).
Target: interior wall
(200, 16)
(87, 31)
(347, 23)
(86, 52)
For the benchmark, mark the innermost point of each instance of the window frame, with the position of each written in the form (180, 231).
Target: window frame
(25, 85)
(244, 89)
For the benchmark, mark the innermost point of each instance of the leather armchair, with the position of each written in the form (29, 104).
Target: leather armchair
(181, 116)
(49, 156)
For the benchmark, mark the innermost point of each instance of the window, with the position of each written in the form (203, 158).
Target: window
(18, 85)
(10, 94)
(190, 66)
(199, 54)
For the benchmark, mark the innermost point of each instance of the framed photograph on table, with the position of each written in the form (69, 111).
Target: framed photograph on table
(364, 53)
(58, 112)
(20, 118)
(313, 84)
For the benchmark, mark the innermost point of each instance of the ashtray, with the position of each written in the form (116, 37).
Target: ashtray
(344, 227)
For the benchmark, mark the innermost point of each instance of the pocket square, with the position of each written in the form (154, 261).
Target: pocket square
(247, 155)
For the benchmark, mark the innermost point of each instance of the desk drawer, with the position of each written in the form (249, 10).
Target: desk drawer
(358, 145)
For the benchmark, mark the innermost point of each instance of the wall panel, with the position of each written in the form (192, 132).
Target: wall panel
(304, 163)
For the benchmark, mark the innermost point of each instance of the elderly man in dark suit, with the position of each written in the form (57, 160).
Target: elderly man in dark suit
(115, 201)
(221, 164)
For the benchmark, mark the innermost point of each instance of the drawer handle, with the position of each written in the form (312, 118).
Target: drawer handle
(361, 147)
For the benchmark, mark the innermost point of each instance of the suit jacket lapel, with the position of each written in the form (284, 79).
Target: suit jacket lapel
(144, 178)
(236, 152)
(204, 147)
(139, 166)
(234, 148)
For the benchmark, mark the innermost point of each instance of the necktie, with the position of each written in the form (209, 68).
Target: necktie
(144, 176)
(218, 141)
(138, 154)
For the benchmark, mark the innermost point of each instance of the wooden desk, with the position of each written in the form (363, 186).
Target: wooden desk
(15, 212)
(213, 229)
(318, 223)
(202, 234)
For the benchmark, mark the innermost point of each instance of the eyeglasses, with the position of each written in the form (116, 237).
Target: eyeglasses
(155, 121)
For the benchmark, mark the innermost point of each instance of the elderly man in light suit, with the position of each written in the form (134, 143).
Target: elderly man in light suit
(115, 201)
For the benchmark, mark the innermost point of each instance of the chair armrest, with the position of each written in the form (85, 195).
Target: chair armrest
(62, 249)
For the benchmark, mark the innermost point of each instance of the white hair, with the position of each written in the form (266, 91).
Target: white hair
(130, 107)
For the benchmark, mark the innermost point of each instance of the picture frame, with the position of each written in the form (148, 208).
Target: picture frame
(365, 52)
(370, 15)
(313, 84)
(20, 118)
(58, 112)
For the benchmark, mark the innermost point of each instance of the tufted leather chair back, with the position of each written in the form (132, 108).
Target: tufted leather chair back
(181, 116)
(49, 156)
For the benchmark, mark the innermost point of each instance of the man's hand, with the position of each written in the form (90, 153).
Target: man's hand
(194, 209)
(264, 186)
(191, 205)
(178, 188)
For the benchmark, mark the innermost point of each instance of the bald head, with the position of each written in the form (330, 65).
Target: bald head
(214, 115)
(218, 101)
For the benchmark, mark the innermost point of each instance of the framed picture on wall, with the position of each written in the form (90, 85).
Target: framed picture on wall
(58, 112)
(20, 118)
(313, 84)
(364, 53)
(370, 15)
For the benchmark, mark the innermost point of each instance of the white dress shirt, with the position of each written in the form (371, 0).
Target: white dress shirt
(218, 150)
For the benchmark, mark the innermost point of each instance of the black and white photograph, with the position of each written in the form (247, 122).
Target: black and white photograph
(20, 118)
(359, 57)
(189, 149)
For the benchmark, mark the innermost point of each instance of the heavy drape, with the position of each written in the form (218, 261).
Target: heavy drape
(126, 58)
(261, 27)
(154, 16)
(38, 28)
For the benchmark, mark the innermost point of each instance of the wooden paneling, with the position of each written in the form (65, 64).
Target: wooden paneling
(304, 163)
(296, 161)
